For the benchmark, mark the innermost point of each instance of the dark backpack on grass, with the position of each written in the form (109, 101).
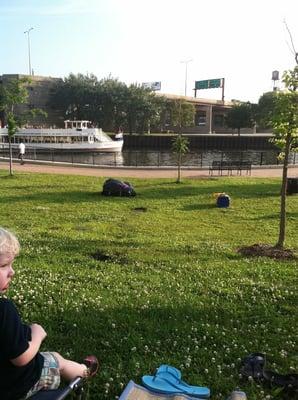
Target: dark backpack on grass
(113, 187)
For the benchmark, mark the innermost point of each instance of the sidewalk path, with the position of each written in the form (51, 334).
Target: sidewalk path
(122, 172)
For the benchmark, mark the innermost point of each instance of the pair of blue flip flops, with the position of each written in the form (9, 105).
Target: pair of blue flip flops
(167, 380)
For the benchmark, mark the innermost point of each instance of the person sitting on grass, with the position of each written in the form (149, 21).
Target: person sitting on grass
(24, 370)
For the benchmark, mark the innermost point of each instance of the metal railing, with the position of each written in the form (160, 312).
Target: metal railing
(148, 158)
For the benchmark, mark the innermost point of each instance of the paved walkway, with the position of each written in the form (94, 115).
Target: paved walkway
(122, 172)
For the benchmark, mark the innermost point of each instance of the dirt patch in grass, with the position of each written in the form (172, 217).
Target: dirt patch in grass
(115, 258)
(100, 256)
(140, 209)
(267, 250)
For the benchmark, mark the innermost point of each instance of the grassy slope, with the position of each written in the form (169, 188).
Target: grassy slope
(172, 290)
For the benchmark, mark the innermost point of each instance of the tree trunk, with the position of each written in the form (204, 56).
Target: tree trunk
(10, 156)
(282, 221)
(179, 167)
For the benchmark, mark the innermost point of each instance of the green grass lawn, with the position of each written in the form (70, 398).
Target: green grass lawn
(166, 285)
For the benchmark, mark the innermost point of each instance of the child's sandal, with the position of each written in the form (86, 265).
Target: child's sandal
(92, 365)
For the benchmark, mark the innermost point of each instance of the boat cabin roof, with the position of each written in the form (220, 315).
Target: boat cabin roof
(76, 124)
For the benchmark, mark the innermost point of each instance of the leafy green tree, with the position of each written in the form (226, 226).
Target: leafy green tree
(143, 109)
(74, 96)
(282, 115)
(265, 107)
(109, 104)
(13, 94)
(181, 113)
(180, 147)
(240, 116)
(150, 112)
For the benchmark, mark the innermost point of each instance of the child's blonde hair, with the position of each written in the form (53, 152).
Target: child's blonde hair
(8, 242)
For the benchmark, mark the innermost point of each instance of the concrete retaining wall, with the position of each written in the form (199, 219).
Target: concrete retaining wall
(201, 142)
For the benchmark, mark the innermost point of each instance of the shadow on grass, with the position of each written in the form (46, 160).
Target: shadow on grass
(276, 216)
(59, 194)
(194, 207)
(133, 341)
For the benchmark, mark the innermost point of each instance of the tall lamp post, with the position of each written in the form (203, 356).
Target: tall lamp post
(29, 55)
(186, 65)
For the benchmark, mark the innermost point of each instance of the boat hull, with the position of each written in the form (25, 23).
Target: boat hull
(64, 147)
(76, 140)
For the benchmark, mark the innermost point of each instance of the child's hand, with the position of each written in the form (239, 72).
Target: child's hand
(38, 331)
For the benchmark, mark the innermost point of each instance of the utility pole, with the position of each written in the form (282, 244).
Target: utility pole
(185, 82)
(29, 55)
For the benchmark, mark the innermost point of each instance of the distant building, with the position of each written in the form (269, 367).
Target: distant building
(39, 91)
(209, 117)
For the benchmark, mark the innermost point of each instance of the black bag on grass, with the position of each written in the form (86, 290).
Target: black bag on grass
(113, 187)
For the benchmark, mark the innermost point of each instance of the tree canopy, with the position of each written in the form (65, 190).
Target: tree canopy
(107, 103)
(240, 116)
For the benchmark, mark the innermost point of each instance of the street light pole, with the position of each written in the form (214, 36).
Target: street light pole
(29, 56)
(185, 82)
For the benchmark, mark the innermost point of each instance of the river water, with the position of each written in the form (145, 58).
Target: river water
(155, 158)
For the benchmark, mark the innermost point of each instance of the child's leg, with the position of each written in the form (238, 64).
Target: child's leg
(70, 369)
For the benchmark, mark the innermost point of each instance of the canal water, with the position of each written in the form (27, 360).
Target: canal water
(148, 158)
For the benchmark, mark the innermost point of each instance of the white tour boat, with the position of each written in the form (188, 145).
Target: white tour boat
(76, 136)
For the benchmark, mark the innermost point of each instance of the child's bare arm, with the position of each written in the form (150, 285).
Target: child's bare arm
(38, 334)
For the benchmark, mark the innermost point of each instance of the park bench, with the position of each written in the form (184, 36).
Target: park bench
(215, 167)
(230, 166)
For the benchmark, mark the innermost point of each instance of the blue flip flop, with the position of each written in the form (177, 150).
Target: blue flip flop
(165, 370)
(169, 384)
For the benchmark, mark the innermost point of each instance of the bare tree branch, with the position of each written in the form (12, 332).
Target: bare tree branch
(292, 42)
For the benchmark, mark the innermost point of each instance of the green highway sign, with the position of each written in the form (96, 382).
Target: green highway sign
(208, 84)
(201, 85)
(214, 83)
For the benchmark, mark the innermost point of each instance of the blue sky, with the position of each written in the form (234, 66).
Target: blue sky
(142, 41)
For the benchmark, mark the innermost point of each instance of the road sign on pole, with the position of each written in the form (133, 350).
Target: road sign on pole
(208, 84)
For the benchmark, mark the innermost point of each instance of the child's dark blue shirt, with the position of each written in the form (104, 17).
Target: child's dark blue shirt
(15, 336)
